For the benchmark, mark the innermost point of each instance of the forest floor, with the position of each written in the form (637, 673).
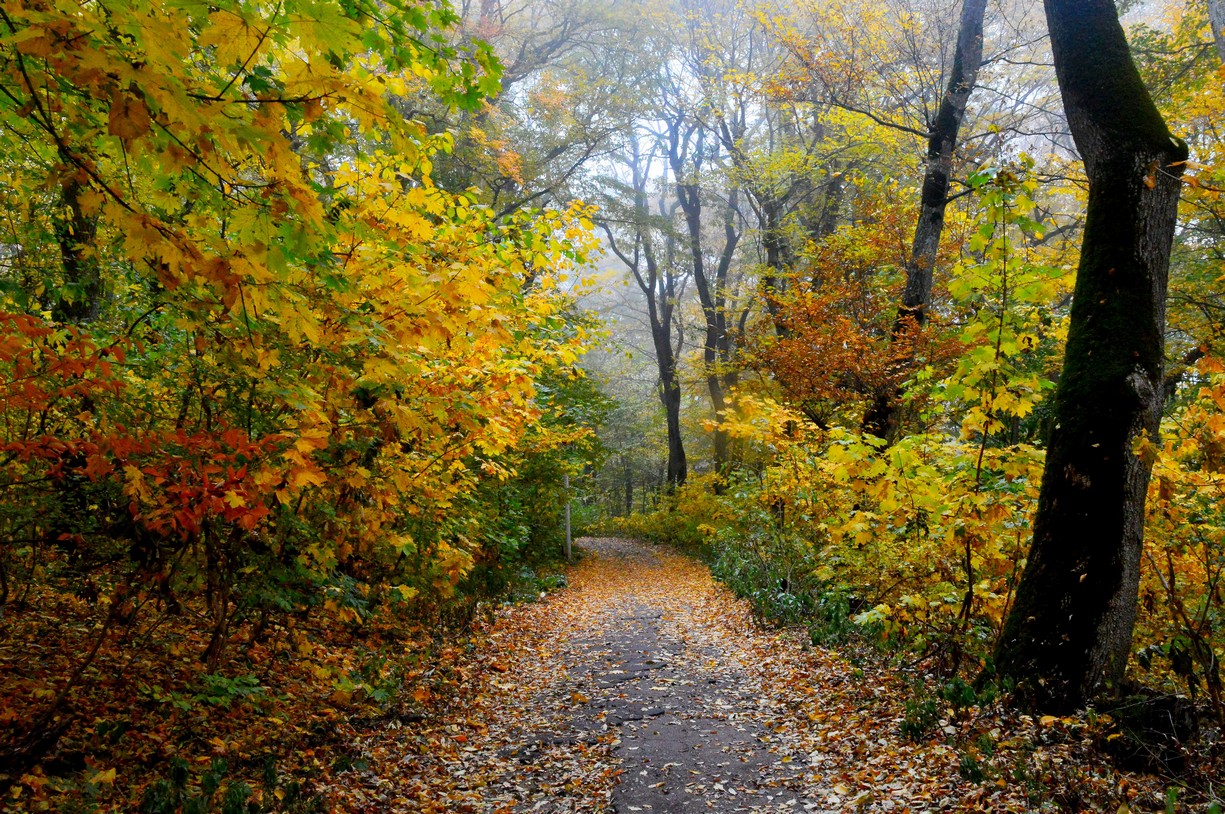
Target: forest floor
(647, 687)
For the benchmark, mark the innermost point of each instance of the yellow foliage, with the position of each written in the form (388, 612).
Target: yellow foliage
(312, 323)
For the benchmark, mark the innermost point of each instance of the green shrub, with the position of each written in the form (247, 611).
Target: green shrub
(920, 718)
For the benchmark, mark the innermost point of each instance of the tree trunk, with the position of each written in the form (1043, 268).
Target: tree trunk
(712, 294)
(689, 197)
(1216, 16)
(881, 417)
(778, 258)
(76, 233)
(1068, 635)
(629, 485)
(831, 208)
(941, 144)
(670, 396)
(661, 287)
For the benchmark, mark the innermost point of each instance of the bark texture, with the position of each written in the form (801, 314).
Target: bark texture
(1216, 16)
(881, 417)
(1069, 633)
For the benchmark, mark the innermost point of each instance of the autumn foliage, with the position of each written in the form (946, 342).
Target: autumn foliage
(254, 363)
(290, 348)
(831, 343)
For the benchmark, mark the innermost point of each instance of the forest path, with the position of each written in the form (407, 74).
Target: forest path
(645, 687)
(656, 667)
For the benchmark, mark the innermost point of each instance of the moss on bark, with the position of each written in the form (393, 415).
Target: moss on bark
(1068, 635)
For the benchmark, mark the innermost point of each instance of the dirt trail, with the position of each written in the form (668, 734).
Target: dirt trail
(657, 670)
(645, 687)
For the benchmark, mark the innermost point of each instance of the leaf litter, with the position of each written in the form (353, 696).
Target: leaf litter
(647, 686)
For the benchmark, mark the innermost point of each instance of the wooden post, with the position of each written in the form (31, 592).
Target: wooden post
(569, 550)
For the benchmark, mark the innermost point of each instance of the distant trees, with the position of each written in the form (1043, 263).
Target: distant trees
(687, 224)
(779, 129)
(639, 234)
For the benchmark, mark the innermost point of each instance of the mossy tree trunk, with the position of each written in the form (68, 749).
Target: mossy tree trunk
(1068, 635)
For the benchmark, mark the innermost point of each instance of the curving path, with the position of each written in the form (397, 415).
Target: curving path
(646, 687)
(657, 676)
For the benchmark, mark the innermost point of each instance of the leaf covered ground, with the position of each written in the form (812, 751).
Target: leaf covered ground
(646, 686)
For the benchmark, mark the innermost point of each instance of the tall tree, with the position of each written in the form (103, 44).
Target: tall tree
(1069, 632)
(661, 281)
(881, 417)
(700, 102)
(1216, 16)
(688, 155)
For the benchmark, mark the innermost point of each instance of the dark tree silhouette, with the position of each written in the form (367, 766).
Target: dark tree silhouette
(1068, 635)
(881, 417)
